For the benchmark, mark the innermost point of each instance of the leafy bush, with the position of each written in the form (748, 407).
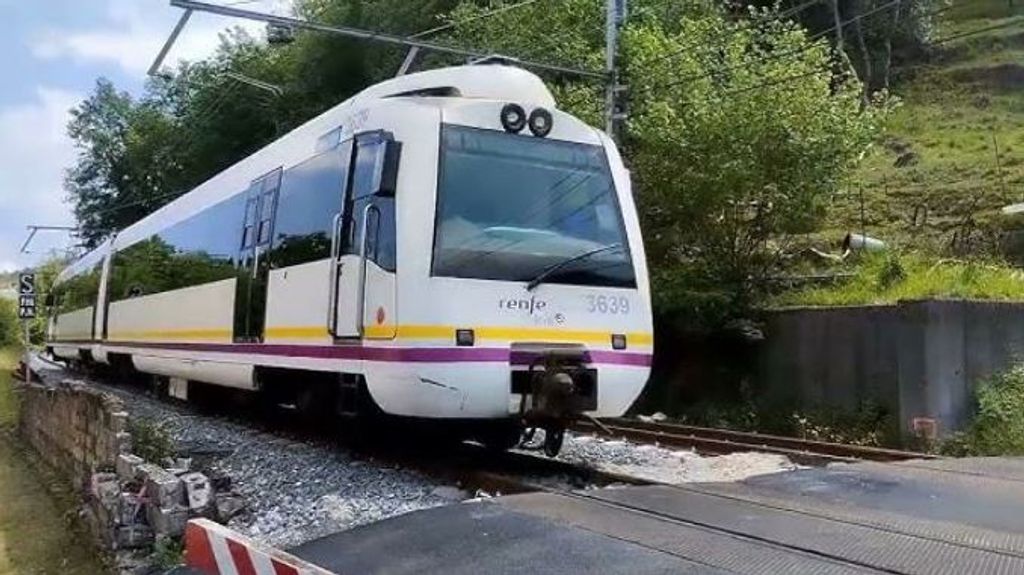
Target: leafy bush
(150, 441)
(9, 333)
(998, 425)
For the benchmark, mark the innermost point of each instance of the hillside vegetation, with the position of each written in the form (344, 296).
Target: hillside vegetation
(953, 153)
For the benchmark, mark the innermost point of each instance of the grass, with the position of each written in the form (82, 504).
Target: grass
(998, 424)
(36, 536)
(888, 278)
(960, 132)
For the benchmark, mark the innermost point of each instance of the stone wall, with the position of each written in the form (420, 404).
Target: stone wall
(74, 428)
(919, 359)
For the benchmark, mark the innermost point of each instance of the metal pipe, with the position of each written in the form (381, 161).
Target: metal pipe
(155, 66)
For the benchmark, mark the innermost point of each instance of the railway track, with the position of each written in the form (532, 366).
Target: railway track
(471, 467)
(714, 441)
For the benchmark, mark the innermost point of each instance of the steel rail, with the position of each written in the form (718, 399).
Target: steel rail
(724, 441)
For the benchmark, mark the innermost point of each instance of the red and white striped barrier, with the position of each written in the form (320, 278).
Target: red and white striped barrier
(213, 549)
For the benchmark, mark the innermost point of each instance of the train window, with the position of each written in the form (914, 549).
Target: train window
(198, 250)
(79, 291)
(366, 182)
(311, 194)
(510, 206)
(365, 171)
(380, 237)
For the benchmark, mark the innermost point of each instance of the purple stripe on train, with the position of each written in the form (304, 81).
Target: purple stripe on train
(396, 354)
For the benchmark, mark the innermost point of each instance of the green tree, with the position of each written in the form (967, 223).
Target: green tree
(9, 330)
(740, 129)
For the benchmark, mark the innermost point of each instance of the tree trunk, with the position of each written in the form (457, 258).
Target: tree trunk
(840, 44)
(892, 31)
(868, 79)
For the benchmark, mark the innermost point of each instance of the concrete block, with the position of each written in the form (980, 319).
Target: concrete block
(228, 505)
(132, 536)
(124, 442)
(106, 490)
(131, 509)
(118, 421)
(197, 490)
(167, 520)
(163, 488)
(128, 466)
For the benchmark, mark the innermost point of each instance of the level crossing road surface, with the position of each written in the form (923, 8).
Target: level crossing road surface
(937, 517)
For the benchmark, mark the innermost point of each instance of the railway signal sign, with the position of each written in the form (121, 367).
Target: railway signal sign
(26, 296)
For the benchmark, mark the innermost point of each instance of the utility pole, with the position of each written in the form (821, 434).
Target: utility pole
(615, 16)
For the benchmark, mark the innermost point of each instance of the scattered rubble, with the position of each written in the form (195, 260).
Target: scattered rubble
(275, 489)
(666, 465)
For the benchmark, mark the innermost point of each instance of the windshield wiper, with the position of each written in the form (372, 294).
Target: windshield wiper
(546, 272)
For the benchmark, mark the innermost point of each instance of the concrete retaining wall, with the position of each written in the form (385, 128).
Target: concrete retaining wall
(919, 359)
(74, 428)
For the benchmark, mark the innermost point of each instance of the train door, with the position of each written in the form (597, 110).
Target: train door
(363, 255)
(254, 266)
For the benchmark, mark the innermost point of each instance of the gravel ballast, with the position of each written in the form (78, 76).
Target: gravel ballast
(297, 490)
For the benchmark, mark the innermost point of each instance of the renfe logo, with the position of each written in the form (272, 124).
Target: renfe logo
(530, 306)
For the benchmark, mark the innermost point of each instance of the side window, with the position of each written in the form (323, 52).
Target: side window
(268, 203)
(380, 246)
(380, 237)
(201, 249)
(311, 194)
(78, 292)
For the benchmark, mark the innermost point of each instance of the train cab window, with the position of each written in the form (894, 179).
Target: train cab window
(511, 206)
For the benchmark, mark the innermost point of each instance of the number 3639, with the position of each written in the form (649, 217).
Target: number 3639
(607, 304)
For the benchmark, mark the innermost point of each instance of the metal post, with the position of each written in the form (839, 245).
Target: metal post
(155, 66)
(28, 353)
(611, 48)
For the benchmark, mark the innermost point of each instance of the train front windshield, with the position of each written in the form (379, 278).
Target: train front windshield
(512, 207)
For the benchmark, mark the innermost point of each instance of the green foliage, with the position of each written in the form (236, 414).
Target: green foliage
(730, 143)
(137, 154)
(168, 553)
(10, 331)
(740, 128)
(952, 155)
(888, 278)
(150, 441)
(868, 424)
(998, 425)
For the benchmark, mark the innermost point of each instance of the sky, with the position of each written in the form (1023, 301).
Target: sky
(53, 51)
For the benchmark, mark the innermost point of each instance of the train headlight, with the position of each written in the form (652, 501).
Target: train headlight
(513, 118)
(540, 122)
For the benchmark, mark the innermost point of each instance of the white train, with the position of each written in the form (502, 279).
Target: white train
(443, 245)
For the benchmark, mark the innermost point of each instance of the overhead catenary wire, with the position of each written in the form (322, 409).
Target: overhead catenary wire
(357, 33)
(811, 43)
(969, 33)
(782, 15)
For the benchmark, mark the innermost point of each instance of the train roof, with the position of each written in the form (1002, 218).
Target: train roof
(492, 82)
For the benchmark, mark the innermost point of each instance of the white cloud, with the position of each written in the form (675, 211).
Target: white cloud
(35, 152)
(137, 29)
